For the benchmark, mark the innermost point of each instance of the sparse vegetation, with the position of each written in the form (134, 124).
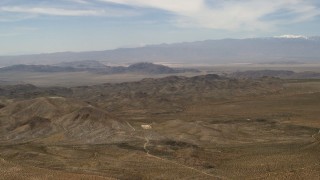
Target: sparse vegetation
(203, 127)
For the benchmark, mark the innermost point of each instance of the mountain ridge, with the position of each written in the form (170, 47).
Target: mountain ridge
(97, 67)
(253, 50)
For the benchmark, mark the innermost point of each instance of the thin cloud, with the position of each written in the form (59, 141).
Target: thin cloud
(14, 17)
(233, 15)
(79, 1)
(229, 15)
(52, 11)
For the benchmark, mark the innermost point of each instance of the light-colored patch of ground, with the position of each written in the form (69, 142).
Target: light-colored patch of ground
(11, 171)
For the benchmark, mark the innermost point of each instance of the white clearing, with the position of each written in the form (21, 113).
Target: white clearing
(146, 126)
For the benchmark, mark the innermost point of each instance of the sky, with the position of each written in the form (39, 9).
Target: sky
(45, 26)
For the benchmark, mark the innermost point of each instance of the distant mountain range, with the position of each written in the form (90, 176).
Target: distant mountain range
(289, 49)
(96, 67)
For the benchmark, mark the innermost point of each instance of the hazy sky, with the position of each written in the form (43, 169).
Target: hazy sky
(34, 26)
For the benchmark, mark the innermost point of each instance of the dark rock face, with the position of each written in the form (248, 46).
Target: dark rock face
(33, 123)
(30, 91)
(96, 67)
(262, 73)
(151, 68)
(276, 73)
(87, 64)
(37, 68)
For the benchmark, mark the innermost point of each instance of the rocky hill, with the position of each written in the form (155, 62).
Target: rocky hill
(86, 64)
(57, 119)
(96, 67)
(171, 94)
(29, 91)
(151, 68)
(276, 73)
(90, 114)
(37, 68)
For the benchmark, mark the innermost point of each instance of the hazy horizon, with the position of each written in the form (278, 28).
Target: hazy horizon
(91, 25)
(284, 36)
